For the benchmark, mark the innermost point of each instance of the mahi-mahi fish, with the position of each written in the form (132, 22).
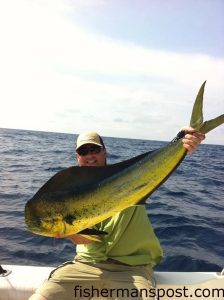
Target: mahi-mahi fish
(77, 198)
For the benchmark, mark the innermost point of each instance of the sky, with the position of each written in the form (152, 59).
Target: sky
(123, 68)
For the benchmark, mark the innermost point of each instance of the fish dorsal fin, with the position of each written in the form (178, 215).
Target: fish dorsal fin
(75, 177)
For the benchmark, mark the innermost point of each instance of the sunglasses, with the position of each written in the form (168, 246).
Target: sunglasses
(82, 151)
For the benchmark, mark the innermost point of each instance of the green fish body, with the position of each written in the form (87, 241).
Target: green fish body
(77, 198)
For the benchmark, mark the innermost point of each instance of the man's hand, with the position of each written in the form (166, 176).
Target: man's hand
(192, 139)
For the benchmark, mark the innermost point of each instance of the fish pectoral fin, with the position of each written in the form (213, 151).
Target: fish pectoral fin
(91, 231)
(93, 238)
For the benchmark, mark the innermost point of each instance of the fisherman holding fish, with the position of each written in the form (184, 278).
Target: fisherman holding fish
(95, 206)
(120, 266)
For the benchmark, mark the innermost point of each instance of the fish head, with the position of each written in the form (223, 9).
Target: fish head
(42, 221)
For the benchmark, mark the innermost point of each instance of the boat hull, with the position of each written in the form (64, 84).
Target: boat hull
(22, 281)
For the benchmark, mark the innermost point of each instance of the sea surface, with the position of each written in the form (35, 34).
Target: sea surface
(187, 211)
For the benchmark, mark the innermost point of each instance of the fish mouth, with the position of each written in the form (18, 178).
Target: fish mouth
(34, 229)
(38, 231)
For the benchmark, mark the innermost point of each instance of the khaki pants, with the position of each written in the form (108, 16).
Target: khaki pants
(78, 280)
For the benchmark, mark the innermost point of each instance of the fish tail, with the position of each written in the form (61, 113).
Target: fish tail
(197, 115)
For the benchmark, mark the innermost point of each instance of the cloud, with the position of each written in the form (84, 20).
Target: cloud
(58, 77)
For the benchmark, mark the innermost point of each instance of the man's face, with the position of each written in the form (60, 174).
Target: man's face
(91, 155)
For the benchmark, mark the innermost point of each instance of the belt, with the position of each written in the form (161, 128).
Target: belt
(108, 261)
(113, 261)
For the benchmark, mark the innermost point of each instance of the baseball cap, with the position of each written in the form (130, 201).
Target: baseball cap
(89, 138)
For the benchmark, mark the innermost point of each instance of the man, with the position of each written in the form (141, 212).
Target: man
(120, 265)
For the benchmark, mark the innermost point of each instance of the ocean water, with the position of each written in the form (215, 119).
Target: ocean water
(187, 211)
